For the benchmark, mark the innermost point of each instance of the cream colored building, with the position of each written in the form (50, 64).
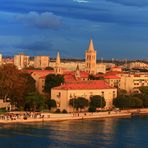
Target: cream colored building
(5, 105)
(39, 77)
(21, 61)
(69, 66)
(113, 80)
(90, 59)
(62, 94)
(132, 82)
(101, 68)
(41, 62)
(138, 65)
(116, 68)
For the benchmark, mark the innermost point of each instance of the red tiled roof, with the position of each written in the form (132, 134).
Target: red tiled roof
(99, 75)
(41, 73)
(111, 77)
(84, 74)
(69, 76)
(116, 67)
(114, 72)
(44, 74)
(82, 85)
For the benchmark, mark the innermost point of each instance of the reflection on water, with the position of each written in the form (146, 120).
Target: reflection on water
(126, 132)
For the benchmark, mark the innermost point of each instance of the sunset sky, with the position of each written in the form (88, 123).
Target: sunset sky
(119, 28)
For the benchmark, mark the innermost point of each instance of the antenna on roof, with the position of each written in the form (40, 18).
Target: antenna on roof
(102, 60)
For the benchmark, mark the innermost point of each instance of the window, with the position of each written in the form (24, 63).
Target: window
(114, 94)
(102, 93)
(91, 93)
(59, 95)
(70, 96)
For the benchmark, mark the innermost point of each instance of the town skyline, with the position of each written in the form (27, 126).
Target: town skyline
(41, 27)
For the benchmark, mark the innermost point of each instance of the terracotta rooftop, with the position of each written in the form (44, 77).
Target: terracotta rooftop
(114, 72)
(70, 76)
(116, 67)
(111, 77)
(41, 73)
(81, 85)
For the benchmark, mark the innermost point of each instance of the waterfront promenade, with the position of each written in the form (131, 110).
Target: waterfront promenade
(20, 117)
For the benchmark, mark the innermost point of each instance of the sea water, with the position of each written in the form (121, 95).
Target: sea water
(109, 132)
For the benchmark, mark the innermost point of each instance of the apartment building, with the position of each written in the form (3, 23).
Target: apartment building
(132, 82)
(41, 62)
(21, 61)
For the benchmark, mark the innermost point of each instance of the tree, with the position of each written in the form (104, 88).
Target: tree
(135, 102)
(73, 103)
(143, 97)
(29, 83)
(92, 77)
(145, 101)
(51, 81)
(121, 92)
(144, 89)
(12, 84)
(92, 109)
(51, 103)
(97, 101)
(81, 103)
(34, 102)
(49, 68)
(121, 102)
(78, 103)
(128, 101)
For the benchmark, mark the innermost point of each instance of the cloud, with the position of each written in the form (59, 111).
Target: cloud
(81, 1)
(137, 3)
(108, 21)
(35, 45)
(45, 20)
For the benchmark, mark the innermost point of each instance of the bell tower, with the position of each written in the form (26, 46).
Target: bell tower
(77, 72)
(90, 59)
(58, 69)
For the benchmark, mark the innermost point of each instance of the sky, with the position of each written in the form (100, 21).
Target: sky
(119, 28)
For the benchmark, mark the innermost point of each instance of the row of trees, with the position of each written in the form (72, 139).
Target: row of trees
(94, 103)
(126, 101)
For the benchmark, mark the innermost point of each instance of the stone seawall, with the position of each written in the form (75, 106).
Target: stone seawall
(47, 117)
(63, 117)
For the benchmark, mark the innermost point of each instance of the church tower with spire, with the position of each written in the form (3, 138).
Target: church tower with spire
(90, 59)
(57, 68)
(77, 73)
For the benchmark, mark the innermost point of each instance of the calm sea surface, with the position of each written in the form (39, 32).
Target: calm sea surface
(112, 133)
